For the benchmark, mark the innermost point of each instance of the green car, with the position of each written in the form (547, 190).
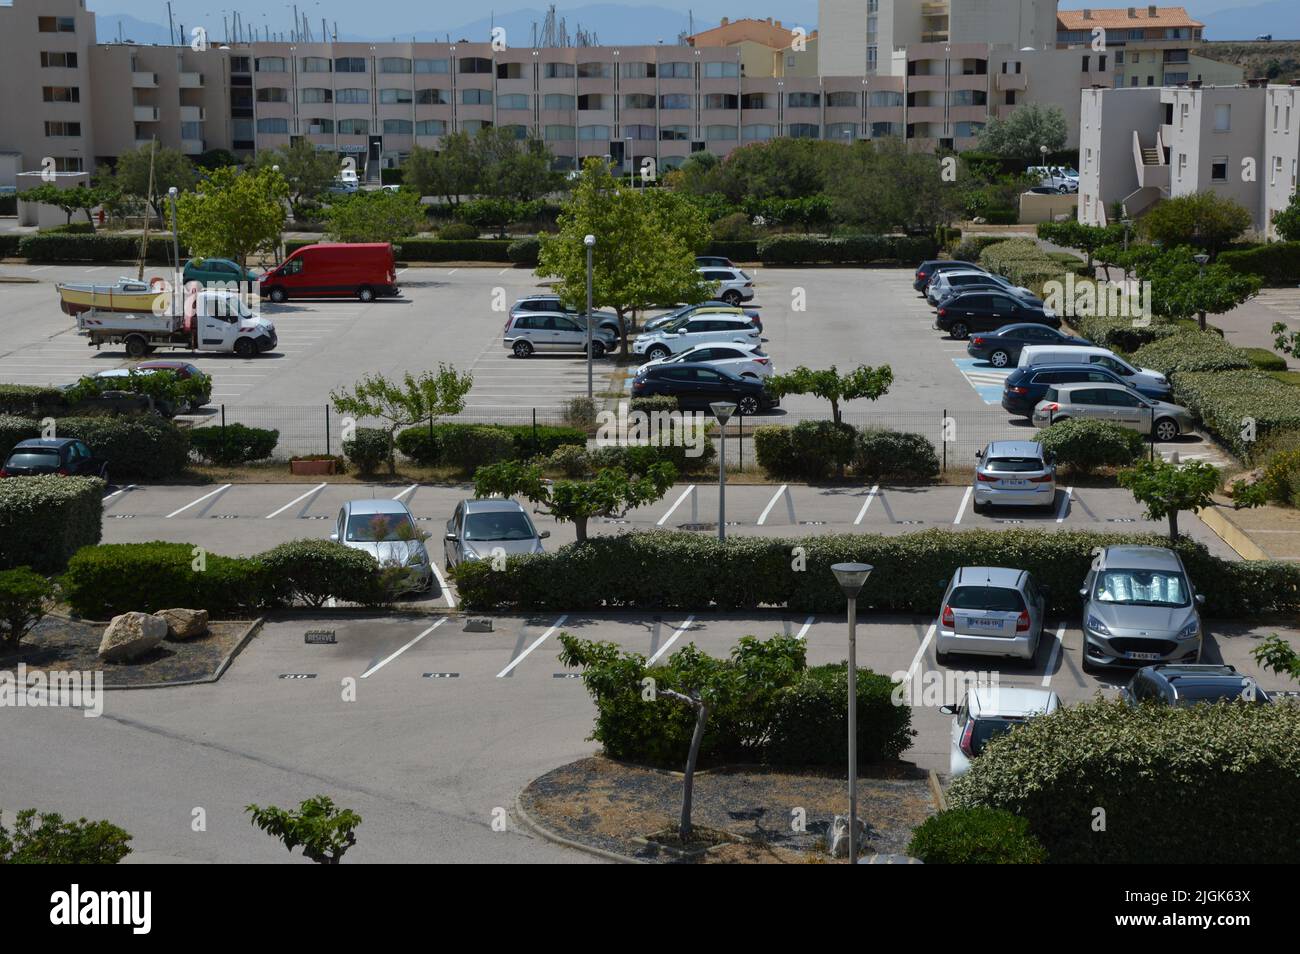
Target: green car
(216, 271)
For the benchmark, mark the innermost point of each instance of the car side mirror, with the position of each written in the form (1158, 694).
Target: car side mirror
(948, 710)
(1200, 599)
(1084, 592)
(450, 536)
(334, 536)
(544, 535)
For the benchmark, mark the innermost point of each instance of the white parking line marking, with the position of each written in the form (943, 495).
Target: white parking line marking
(671, 639)
(537, 642)
(442, 584)
(803, 630)
(384, 662)
(120, 490)
(762, 518)
(503, 271)
(406, 491)
(920, 652)
(685, 493)
(871, 495)
(964, 501)
(1065, 504)
(453, 271)
(1056, 651)
(276, 513)
(401, 271)
(42, 268)
(199, 501)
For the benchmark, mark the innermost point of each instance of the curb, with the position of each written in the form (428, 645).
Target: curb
(244, 640)
(537, 828)
(936, 792)
(1231, 534)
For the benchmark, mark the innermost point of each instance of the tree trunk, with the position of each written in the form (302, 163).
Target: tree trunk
(688, 785)
(1173, 526)
(622, 333)
(1200, 319)
(580, 528)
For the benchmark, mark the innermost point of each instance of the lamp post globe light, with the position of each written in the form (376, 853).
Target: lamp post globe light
(722, 410)
(590, 243)
(851, 578)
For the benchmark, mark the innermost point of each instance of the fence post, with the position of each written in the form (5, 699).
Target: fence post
(327, 431)
(535, 447)
(223, 425)
(943, 438)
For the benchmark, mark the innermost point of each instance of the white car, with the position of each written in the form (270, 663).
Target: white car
(677, 336)
(744, 360)
(1061, 178)
(953, 280)
(989, 711)
(734, 286)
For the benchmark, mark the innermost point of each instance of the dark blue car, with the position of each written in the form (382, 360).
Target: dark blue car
(1025, 387)
(1001, 348)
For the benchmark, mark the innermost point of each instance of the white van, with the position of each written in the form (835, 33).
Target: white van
(1062, 179)
(1144, 379)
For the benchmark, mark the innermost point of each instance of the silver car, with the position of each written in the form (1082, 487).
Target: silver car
(990, 711)
(527, 332)
(1114, 403)
(488, 529)
(553, 303)
(990, 611)
(386, 530)
(1016, 474)
(1139, 608)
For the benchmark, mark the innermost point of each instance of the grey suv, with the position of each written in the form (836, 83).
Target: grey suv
(1139, 608)
(1186, 685)
(528, 332)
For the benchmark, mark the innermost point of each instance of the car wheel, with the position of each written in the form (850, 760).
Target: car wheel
(731, 297)
(657, 351)
(978, 507)
(960, 331)
(999, 359)
(366, 293)
(597, 349)
(747, 405)
(522, 349)
(136, 347)
(244, 347)
(943, 659)
(279, 295)
(1166, 429)
(1063, 189)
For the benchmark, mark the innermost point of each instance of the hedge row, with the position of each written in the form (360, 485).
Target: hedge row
(850, 250)
(1120, 334)
(137, 447)
(418, 249)
(34, 399)
(1187, 350)
(812, 450)
(1242, 409)
(471, 445)
(1210, 762)
(1278, 263)
(45, 520)
(751, 572)
(1023, 262)
(9, 243)
(55, 247)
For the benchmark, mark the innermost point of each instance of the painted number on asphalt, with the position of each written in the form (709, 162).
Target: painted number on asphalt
(442, 675)
(297, 675)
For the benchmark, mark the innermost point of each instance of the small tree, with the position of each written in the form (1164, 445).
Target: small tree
(414, 400)
(78, 199)
(24, 598)
(1180, 288)
(46, 839)
(1285, 340)
(235, 214)
(451, 172)
(323, 831)
(307, 170)
(1203, 219)
(1022, 135)
(1287, 221)
(380, 216)
(170, 168)
(611, 493)
(1165, 488)
(860, 383)
(701, 707)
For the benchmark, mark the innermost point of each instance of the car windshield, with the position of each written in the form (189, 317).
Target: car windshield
(498, 525)
(1015, 465)
(1142, 588)
(986, 729)
(33, 458)
(380, 527)
(996, 598)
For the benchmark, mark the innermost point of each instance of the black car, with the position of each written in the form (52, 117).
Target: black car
(697, 385)
(925, 271)
(63, 456)
(713, 261)
(1001, 348)
(1184, 684)
(988, 311)
(1025, 387)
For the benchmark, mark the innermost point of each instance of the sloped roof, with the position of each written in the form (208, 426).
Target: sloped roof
(1117, 18)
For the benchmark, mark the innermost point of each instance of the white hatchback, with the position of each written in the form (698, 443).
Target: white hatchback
(989, 711)
(745, 360)
(680, 335)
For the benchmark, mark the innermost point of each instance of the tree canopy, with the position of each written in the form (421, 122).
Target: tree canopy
(233, 214)
(1204, 220)
(1022, 135)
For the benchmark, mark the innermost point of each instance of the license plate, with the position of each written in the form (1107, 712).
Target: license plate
(979, 623)
(1016, 483)
(1142, 655)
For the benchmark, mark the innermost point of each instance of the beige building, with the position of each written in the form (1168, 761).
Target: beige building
(1144, 46)
(767, 48)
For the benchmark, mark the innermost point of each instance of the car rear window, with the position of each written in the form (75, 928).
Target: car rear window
(986, 729)
(1015, 465)
(35, 458)
(996, 598)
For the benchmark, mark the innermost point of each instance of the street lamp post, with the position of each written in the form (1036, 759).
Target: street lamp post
(722, 410)
(851, 578)
(590, 243)
(176, 253)
(1202, 260)
(628, 160)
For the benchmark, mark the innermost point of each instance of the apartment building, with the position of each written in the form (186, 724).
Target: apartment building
(1139, 145)
(1144, 46)
(767, 48)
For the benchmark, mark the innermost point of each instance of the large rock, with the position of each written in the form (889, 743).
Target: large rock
(131, 635)
(839, 836)
(184, 623)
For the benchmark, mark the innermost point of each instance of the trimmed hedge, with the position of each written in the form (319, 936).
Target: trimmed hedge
(737, 251)
(976, 836)
(812, 449)
(1023, 262)
(1120, 334)
(810, 720)
(1278, 263)
(894, 455)
(36, 400)
(1236, 406)
(233, 443)
(1265, 360)
(65, 247)
(459, 444)
(312, 571)
(524, 251)
(850, 250)
(137, 447)
(467, 250)
(1190, 351)
(752, 572)
(14, 429)
(45, 520)
(1208, 761)
(969, 249)
(1083, 444)
(367, 449)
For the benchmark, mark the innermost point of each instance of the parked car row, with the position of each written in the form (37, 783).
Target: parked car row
(969, 299)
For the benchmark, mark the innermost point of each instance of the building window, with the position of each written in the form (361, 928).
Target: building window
(394, 64)
(476, 97)
(674, 70)
(1101, 63)
(273, 94)
(886, 98)
(592, 101)
(349, 64)
(841, 100)
(68, 164)
(637, 131)
(558, 70)
(430, 127)
(757, 132)
(399, 127)
(1086, 60)
(353, 95)
(1011, 97)
(316, 64)
(674, 133)
(803, 100)
(1182, 165)
(432, 66)
(558, 101)
(1276, 170)
(1119, 57)
(1175, 79)
(594, 71)
(66, 61)
(840, 132)
(239, 64)
(319, 127)
(61, 94)
(509, 71)
(638, 70)
(517, 130)
(513, 101)
(721, 70)
(969, 97)
(803, 131)
(1219, 169)
(593, 133)
(1222, 117)
(675, 101)
(56, 24)
(62, 129)
(558, 132)
(270, 64)
(315, 94)
(394, 96)
(639, 101)
(431, 97)
(195, 131)
(475, 125)
(720, 101)
(1151, 81)
(351, 127)
(719, 132)
(273, 124)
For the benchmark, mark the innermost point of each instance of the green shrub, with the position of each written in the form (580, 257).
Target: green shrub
(69, 228)
(32, 400)
(742, 251)
(969, 248)
(1190, 351)
(733, 228)
(543, 439)
(750, 572)
(367, 449)
(419, 444)
(1136, 762)
(848, 250)
(1242, 409)
(572, 460)
(976, 836)
(639, 458)
(894, 455)
(1083, 445)
(1264, 360)
(466, 250)
(313, 571)
(649, 405)
(1281, 477)
(1120, 334)
(1278, 263)
(45, 520)
(468, 447)
(458, 232)
(137, 447)
(104, 581)
(24, 596)
(233, 443)
(810, 719)
(14, 429)
(92, 248)
(580, 412)
(524, 252)
(46, 839)
(811, 450)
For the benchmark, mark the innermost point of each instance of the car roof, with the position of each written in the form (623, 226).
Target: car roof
(1015, 449)
(376, 505)
(1090, 386)
(53, 442)
(699, 364)
(986, 701)
(491, 505)
(1140, 558)
(1004, 577)
(1074, 366)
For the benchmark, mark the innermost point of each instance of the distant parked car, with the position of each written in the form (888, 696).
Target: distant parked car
(1002, 346)
(1139, 607)
(1025, 387)
(1114, 403)
(713, 261)
(926, 271)
(1183, 684)
(734, 286)
(715, 305)
(990, 611)
(478, 529)
(221, 272)
(990, 711)
(63, 456)
(552, 303)
(1014, 474)
(183, 371)
(744, 360)
(988, 311)
(1061, 178)
(387, 531)
(537, 331)
(696, 386)
(953, 281)
(1141, 379)
(697, 329)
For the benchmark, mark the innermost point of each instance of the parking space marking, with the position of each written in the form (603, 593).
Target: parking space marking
(199, 501)
(453, 271)
(871, 495)
(671, 639)
(965, 499)
(685, 493)
(920, 652)
(119, 490)
(316, 489)
(803, 630)
(384, 662)
(1065, 504)
(442, 584)
(981, 376)
(537, 642)
(762, 518)
(406, 491)
(1056, 651)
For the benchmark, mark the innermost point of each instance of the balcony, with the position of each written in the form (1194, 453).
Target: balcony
(145, 114)
(189, 80)
(193, 114)
(934, 36)
(144, 80)
(1016, 81)
(192, 147)
(935, 9)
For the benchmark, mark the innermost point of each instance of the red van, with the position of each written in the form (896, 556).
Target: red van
(334, 270)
